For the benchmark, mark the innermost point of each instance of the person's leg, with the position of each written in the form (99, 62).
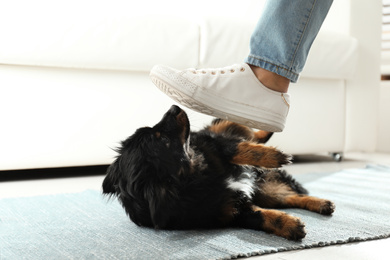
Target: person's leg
(255, 94)
(282, 39)
(270, 79)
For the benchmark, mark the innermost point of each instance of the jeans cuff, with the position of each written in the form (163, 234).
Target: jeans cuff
(258, 62)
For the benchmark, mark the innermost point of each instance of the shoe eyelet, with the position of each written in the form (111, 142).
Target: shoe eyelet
(232, 71)
(222, 72)
(203, 72)
(194, 71)
(242, 69)
(213, 73)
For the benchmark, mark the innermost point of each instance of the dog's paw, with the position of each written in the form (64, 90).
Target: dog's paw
(283, 158)
(275, 159)
(296, 231)
(327, 207)
(283, 224)
(291, 228)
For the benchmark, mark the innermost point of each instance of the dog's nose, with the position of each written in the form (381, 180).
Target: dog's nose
(174, 110)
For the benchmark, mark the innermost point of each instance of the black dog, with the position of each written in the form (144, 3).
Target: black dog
(167, 178)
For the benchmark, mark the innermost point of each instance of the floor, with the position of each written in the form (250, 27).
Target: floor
(69, 180)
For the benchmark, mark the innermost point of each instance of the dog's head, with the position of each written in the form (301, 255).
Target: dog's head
(147, 162)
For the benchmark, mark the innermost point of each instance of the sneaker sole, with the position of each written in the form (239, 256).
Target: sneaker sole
(193, 104)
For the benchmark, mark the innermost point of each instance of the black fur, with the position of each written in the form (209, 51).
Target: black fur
(168, 178)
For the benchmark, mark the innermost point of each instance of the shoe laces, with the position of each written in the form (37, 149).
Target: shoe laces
(224, 70)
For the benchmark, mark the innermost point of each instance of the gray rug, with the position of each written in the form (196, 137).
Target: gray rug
(87, 226)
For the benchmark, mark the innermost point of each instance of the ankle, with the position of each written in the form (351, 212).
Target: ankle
(271, 80)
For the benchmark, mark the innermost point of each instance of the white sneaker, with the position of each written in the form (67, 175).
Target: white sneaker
(233, 93)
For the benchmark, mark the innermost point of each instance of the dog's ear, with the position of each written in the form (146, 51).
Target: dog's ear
(112, 178)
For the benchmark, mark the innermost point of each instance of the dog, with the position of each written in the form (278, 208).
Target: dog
(167, 177)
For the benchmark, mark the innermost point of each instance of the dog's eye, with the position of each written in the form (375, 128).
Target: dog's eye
(165, 140)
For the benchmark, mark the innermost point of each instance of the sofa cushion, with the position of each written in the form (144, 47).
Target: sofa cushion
(113, 35)
(332, 56)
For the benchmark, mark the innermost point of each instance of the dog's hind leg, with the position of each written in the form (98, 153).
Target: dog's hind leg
(322, 206)
(249, 153)
(279, 190)
(272, 221)
(283, 199)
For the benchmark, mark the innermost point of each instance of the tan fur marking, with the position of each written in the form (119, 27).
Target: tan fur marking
(256, 155)
(261, 134)
(220, 127)
(279, 223)
(181, 119)
(225, 126)
(310, 203)
(277, 191)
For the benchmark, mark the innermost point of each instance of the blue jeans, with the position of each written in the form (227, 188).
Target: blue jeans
(284, 34)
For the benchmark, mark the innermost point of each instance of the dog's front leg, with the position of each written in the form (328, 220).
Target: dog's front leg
(259, 155)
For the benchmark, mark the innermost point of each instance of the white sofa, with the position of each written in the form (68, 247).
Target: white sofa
(74, 74)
